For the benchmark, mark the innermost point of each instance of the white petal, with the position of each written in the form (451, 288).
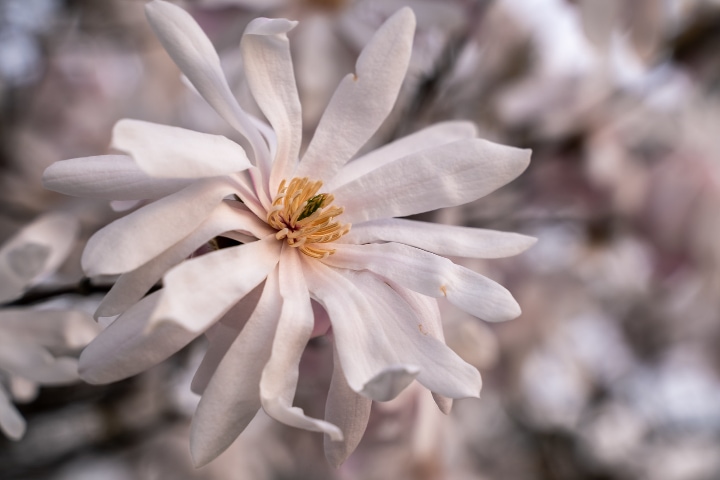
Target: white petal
(428, 311)
(375, 328)
(127, 347)
(349, 411)
(295, 325)
(363, 100)
(11, 422)
(444, 176)
(36, 363)
(133, 240)
(131, 286)
(171, 152)
(232, 397)
(55, 329)
(222, 335)
(432, 136)
(369, 359)
(34, 252)
(447, 240)
(193, 52)
(110, 177)
(269, 72)
(430, 275)
(201, 290)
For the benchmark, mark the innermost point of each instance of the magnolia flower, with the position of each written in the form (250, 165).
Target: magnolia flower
(35, 252)
(319, 251)
(34, 344)
(37, 347)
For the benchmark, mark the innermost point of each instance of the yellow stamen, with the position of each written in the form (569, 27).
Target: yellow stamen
(306, 218)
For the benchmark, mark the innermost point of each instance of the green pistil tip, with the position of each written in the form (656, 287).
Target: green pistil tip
(312, 205)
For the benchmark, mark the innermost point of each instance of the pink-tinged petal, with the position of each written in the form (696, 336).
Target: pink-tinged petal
(295, 325)
(203, 289)
(363, 100)
(369, 360)
(376, 330)
(254, 188)
(135, 239)
(447, 240)
(127, 347)
(432, 136)
(444, 176)
(55, 329)
(12, 423)
(444, 403)
(222, 335)
(171, 152)
(322, 320)
(131, 286)
(431, 275)
(269, 72)
(348, 410)
(109, 177)
(36, 251)
(232, 397)
(36, 363)
(196, 57)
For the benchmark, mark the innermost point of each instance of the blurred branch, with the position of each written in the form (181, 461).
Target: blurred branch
(84, 288)
(429, 88)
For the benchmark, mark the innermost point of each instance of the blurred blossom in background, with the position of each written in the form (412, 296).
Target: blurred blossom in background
(612, 371)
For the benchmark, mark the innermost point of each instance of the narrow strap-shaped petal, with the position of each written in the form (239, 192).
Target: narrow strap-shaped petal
(432, 136)
(201, 290)
(363, 100)
(12, 423)
(377, 332)
(110, 177)
(127, 347)
(193, 52)
(269, 72)
(222, 335)
(444, 176)
(428, 311)
(37, 250)
(52, 328)
(431, 275)
(295, 325)
(131, 286)
(449, 240)
(348, 410)
(368, 358)
(171, 152)
(232, 396)
(133, 240)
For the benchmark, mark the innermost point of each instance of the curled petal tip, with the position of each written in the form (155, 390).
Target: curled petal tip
(388, 384)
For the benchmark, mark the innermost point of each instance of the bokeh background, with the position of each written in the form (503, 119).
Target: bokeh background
(613, 370)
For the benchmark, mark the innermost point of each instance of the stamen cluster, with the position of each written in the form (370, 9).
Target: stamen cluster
(305, 217)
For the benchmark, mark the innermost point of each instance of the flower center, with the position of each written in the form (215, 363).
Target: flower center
(305, 217)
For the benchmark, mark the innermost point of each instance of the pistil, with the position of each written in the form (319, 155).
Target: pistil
(305, 217)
